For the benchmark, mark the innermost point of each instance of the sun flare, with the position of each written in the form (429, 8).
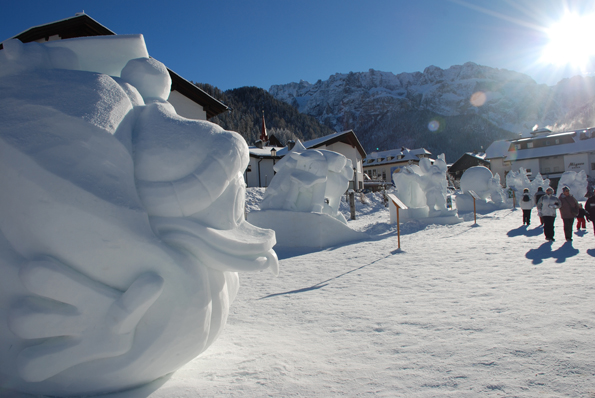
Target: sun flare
(571, 41)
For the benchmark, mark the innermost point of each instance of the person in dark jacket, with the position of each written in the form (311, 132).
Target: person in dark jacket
(568, 211)
(590, 209)
(538, 196)
(526, 204)
(547, 206)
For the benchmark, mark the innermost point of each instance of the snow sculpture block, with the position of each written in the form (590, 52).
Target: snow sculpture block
(487, 187)
(302, 202)
(519, 180)
(121, 223)
(576, 182)
(423, 189)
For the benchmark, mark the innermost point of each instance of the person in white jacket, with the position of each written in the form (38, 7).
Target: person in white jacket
(547, 205)
(526, 204)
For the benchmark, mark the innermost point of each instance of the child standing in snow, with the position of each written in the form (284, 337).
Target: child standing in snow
(526, 206)
(580, 218)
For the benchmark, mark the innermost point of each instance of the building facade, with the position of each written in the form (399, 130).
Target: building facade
(544, 152)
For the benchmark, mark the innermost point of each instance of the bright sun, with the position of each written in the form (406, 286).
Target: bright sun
(571, 41)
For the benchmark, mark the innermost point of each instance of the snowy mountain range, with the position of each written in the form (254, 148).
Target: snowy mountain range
(454, 110)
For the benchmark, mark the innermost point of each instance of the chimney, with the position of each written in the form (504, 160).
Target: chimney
(290, 144)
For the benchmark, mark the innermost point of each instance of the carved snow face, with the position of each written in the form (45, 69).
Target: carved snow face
(121, 225)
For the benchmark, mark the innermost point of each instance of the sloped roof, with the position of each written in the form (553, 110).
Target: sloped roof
(347, 137)
(498, 149)
(82, 25)
(468, 159)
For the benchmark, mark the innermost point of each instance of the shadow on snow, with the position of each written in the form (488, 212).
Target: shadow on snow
(545, 251)
(326, 282)
(523, 230)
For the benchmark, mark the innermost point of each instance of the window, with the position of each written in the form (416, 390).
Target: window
(529, 145)
(592, 166)
(528, 171)
(373, 173)
(384, 176)
(517, 146)
(547, 169)
(557, 141)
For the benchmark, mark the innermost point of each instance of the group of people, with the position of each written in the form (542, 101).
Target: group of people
(547, 204)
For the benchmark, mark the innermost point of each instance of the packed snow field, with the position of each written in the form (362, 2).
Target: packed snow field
(462, 310)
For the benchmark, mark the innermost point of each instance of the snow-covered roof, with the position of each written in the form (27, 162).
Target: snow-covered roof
(265, 152)
(396, 156)
(348, 137)
(498, 149)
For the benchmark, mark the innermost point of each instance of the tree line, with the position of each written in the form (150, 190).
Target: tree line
(245, 116)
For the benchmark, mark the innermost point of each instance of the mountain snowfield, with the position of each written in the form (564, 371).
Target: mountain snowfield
(379, 104)
(462, 310)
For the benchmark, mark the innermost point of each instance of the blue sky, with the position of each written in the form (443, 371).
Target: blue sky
(259, 43)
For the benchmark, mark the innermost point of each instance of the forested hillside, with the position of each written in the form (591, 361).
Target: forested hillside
(245, 117)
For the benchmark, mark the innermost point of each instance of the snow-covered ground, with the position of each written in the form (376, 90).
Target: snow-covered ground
(462, 310)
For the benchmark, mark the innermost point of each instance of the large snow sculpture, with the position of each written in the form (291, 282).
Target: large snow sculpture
(423, 189)
(310, 181)
(302, 202)
(487, 188)
(576, 182)
(121, 223)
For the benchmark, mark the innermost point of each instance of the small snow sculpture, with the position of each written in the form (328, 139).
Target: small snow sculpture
(487, 187)
(576, 182)
(302, 202)
(121, 223)
(309, 180)
(423, 189)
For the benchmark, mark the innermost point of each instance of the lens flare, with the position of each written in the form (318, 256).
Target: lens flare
(478, 99)
(434, 125)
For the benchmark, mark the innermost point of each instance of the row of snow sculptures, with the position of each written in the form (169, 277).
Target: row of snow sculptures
(490, 194)
(576, 182)
(423, 189)
(302, 201)
(121, 223)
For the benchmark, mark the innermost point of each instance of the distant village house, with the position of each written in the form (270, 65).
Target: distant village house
(263, 158)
